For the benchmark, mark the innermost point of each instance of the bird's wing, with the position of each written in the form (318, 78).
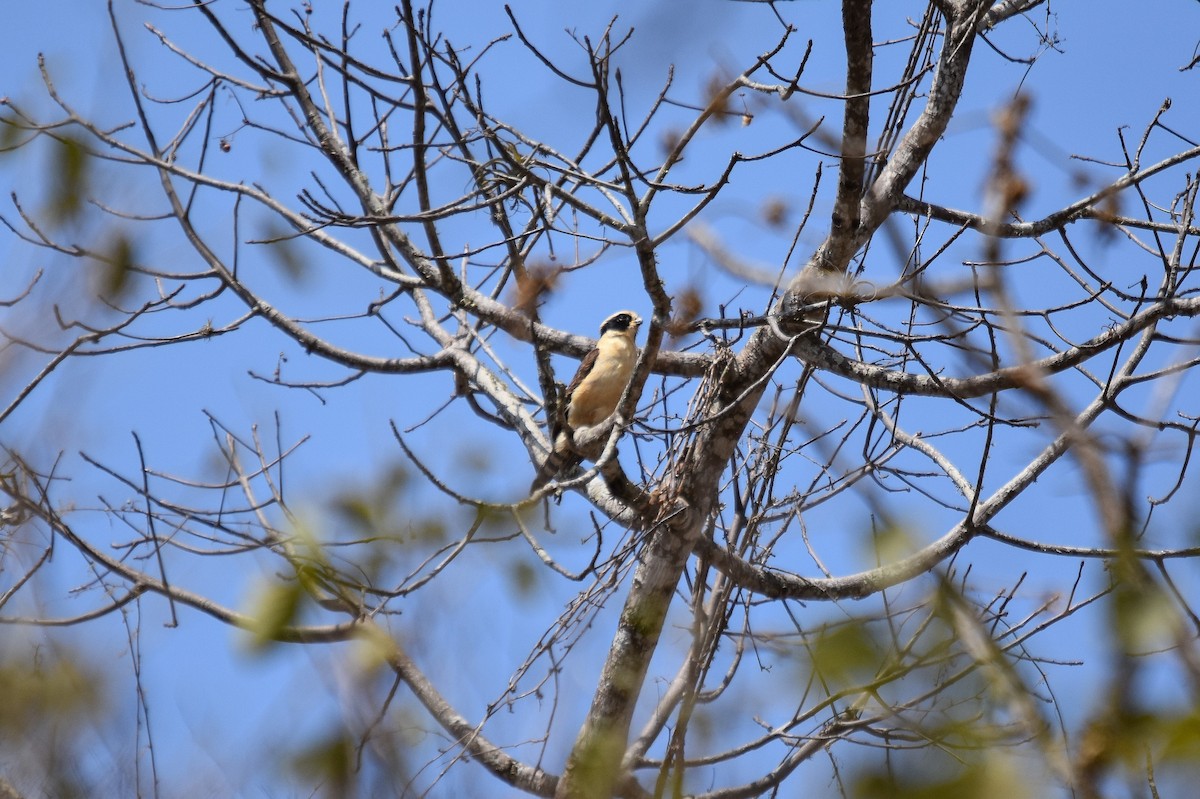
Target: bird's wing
(561, 458)
(585, 369)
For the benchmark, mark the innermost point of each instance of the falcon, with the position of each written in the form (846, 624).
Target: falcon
(594, 392)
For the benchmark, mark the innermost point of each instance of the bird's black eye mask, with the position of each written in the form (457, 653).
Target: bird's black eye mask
(618, 322)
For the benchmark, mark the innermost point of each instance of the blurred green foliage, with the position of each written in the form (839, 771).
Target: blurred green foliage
(274, 608)
(45, 687)
(845, 655)
(987, 775)
(328, 763)
(279, 603)
(118, 263)
(69, 180)
(49, 701)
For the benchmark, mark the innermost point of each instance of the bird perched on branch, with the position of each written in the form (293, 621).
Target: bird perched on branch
(593, 393)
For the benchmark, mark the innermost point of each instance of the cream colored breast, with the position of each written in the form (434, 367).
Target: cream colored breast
(597, 396)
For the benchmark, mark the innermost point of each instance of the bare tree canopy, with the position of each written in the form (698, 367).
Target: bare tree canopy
(891, 497)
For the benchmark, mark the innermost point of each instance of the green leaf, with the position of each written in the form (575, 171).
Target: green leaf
(846, 654)
(274, 609)
(118, 264)
(70, 176)
(329, 762)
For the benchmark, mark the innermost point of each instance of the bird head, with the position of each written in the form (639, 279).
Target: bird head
(622, 322)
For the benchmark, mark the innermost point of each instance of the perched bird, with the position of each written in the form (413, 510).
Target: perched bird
(594, 392)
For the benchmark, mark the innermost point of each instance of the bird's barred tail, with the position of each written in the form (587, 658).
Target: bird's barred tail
(558, 461)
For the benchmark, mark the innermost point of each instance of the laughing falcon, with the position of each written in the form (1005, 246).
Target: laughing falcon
(594, 392)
